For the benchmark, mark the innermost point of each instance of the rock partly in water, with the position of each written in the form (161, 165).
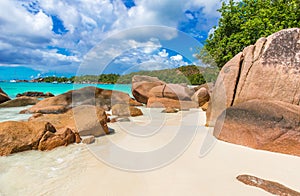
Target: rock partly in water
(21, 136)
(141, 86)
(266, 125)
(126, 110)
(84, 96)
(269, 186)
(52, 140)
(268, 70)
(3, 96)
(19, 102)
(155, 102)
(86, 120)
(35, 94)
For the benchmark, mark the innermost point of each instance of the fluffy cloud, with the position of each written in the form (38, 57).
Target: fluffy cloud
(163, 53)
(28, 35)
(178, 57)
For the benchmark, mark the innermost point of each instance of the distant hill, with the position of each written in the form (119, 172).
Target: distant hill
(189, 74)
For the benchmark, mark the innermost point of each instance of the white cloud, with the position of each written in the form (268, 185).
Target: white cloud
(178, 57)
(163, 53)
(25, 36)
(18, 22)
(210, 7)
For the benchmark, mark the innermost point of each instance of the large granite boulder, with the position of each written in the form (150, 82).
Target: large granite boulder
(84, 96)
(201, 96)
(259, 124)
(21, 136)
(141, 86)
(85, 119)
(125, 110)
(3, 96)
(35, 94)
(156, 102)
(268, 70)
(19, 102)
(90, 120)
(172, 91)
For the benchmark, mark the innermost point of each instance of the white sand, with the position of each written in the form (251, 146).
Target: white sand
(213, 174)
(74, 170)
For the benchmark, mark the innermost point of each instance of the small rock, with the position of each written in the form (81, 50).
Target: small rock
(269, 186)
(126, 110)
(169, 110)
(88, 139)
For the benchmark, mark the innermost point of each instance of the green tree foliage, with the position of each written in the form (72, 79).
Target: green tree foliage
(102, 79)
(243, 22)
(190, 74)
(57, 79)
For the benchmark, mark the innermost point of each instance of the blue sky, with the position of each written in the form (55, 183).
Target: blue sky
(61, 36)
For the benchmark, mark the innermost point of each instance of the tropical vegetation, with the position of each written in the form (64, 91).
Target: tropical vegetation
(243, 22)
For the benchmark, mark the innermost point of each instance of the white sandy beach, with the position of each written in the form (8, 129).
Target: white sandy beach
(74, 170)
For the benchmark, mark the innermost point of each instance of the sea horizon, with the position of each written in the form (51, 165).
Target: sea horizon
(12, 89)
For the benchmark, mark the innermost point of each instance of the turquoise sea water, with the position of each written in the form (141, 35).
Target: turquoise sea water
(12, 89)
